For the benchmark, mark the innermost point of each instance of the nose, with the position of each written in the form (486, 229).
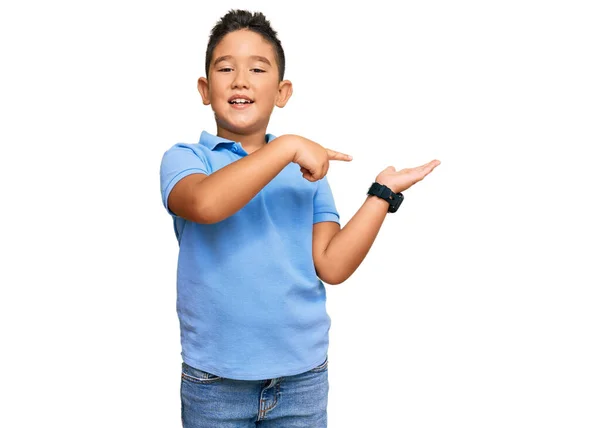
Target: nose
(240, 80)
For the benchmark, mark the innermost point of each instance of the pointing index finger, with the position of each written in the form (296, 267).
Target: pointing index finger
(333, 155)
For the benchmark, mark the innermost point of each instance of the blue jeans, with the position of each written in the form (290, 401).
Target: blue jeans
(295, 401)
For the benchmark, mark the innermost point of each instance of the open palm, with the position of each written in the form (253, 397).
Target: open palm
(401, 180)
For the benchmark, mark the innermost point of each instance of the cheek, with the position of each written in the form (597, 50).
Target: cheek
(218, 87)
(269, 95)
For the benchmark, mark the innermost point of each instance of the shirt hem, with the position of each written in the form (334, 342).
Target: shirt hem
(253, 376)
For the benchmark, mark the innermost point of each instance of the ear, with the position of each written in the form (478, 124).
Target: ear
(284, 94)
(203, 89)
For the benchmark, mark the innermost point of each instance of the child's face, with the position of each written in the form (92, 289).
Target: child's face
(243, 63)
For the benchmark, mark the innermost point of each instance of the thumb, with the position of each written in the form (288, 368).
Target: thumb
(390, 169)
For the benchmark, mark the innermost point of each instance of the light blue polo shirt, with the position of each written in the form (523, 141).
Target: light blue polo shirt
(249, 302)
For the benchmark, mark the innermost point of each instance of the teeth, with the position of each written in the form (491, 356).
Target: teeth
(240, 101)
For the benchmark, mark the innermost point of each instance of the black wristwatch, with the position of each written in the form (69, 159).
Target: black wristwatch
(384, 192)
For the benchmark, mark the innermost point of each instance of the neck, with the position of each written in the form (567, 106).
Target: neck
(250, 141)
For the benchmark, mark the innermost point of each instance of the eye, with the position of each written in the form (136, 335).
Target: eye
(258, 69)
(226, 68)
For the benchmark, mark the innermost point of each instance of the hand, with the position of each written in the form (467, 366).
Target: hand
(401, 180)
(314, 158)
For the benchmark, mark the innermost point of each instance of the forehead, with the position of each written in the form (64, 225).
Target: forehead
(242, 44)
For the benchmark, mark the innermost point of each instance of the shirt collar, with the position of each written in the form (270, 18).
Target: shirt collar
(211, 141)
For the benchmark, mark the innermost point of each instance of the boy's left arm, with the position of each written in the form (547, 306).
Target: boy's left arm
(338, 253)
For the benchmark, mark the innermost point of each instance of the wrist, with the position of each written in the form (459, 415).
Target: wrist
(386, 183)
(289, 145)
(387, 195)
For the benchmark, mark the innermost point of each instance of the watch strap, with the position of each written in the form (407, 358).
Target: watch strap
(384, 192)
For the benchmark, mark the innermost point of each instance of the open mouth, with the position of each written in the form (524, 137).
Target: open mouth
(240, 101)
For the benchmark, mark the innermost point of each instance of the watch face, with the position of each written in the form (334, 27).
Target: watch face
(396, 203)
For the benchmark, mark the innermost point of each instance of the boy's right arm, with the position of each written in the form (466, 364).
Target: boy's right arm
(211, 198)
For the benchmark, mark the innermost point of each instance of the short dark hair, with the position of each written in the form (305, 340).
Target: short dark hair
(237, 19)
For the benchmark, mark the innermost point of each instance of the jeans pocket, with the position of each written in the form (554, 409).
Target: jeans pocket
(321, 367)
(195, 375)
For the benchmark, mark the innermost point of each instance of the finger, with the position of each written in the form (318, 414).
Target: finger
(320, 174)
(306, 173)
(333, 155)
(431, 164)
(427, 168)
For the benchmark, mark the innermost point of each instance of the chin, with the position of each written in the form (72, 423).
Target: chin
(237, 126)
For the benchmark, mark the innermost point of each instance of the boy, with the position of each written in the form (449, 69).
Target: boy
(258, 232)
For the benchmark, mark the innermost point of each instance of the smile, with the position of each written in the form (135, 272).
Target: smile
(241, 104)
(240, 101)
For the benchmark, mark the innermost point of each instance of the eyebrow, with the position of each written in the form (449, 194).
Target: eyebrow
(255, 57)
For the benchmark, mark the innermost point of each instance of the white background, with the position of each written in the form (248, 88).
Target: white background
(478, 304)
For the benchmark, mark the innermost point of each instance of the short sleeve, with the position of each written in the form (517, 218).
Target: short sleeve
(178, 162)
(323, 203)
